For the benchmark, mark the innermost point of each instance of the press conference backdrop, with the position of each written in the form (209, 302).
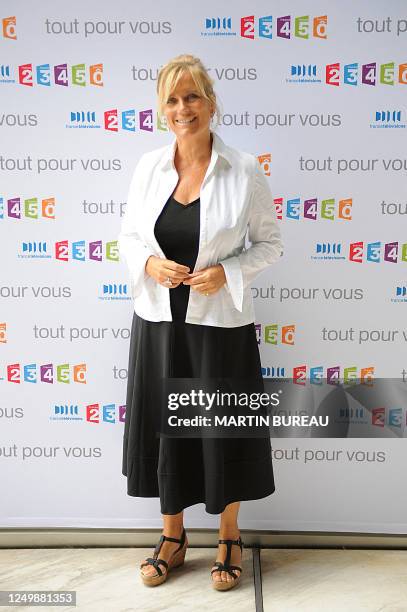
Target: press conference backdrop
(320, 98)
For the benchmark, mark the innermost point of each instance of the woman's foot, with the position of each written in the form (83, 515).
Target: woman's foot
(235, 557)
(166, 552)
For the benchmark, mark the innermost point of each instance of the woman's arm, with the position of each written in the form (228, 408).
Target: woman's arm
(131, 247)
(265, 237)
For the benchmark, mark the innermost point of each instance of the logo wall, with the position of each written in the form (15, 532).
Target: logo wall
(75, 117)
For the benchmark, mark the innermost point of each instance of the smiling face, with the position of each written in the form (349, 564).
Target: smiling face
(186, 110)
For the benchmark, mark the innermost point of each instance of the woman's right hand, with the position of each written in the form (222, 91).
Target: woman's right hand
(161, 269)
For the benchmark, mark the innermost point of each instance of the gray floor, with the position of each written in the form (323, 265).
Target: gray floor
(106, 579)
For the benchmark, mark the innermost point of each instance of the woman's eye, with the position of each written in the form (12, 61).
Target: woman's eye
(173, 100)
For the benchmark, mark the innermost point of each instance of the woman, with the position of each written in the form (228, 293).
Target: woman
(183, 237)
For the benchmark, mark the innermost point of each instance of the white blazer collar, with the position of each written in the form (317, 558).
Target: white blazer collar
(218, 149)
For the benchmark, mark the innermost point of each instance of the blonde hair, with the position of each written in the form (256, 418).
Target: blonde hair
(173, 70)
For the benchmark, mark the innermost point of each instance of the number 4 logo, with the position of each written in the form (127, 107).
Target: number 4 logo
(146, 120)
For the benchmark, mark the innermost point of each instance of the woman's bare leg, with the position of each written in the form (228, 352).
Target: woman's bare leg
(228, 530)
(172, 527)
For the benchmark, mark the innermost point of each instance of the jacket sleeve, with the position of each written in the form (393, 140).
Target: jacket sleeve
(265, 237)
(131, 247)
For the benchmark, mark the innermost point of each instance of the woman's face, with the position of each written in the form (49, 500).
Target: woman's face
(186, 111)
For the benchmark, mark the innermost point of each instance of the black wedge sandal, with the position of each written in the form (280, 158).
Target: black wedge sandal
(177, 559)
(222, 585)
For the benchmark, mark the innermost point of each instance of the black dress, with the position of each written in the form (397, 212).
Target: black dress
(186, 471)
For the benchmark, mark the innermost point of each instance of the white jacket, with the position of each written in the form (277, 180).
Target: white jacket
(235, 201)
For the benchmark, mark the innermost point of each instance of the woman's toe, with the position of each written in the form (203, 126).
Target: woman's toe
(149, 570)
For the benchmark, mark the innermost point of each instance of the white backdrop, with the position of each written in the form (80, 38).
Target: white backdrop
(64, 177)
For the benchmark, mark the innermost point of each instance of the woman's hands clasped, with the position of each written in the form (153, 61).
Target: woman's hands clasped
(166, 272)
(170, 274)
(208, 280)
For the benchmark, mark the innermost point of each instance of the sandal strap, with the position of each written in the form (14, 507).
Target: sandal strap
(163, 538)
(237, 542)
(229, 544)
(182, 539)
(155, 563)
(226, 568)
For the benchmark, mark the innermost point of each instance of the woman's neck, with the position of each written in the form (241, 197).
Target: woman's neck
(193, 151)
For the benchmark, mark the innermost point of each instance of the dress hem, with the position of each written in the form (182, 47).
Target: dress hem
(202, 501)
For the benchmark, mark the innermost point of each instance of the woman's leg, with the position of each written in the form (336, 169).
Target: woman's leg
(228, 530)
(173, 525)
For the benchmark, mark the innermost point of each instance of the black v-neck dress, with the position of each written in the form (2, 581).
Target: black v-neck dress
(186, 471)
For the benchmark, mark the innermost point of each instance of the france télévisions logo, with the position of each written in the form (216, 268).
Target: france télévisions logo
(46, 373)
(328, 250)
(400, 293)
(9, 28)
(269, 27)
(27, 208)
(83, 119)
(346, 414)
(65, 412)
(362, 252)
(303, 73)
(64, 250)
(114, 120)
(34, 250)
(5, 74)
(355, 74)
(275, 334)
(273, 371)
(312, 209)
(92, 413)
(114, 292)
(315, 375)
(396, 417)
(388, 119)
(218, 26)
(60, 74)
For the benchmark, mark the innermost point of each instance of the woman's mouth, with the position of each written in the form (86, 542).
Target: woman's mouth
(185, 121)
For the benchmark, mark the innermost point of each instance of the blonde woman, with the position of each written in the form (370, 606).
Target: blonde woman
(190, 206)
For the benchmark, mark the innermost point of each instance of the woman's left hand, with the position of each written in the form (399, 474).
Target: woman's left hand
(208, 280)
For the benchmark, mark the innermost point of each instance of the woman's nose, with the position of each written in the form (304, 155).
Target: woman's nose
(182, 104)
